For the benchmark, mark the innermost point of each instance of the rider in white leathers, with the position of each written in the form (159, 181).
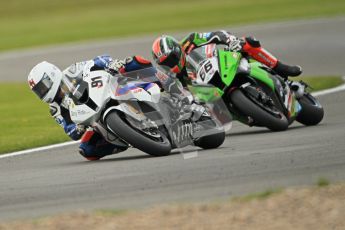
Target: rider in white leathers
(46, 80)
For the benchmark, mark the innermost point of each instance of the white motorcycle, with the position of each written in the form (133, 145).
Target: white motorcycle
(132, 110)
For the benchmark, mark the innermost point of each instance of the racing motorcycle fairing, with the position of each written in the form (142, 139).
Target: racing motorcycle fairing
(138, 99)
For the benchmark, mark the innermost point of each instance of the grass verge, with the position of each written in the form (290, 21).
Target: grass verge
(24, 24)
(317, 83)
(293, 208)
(322, 182)
(25, 121)
(258, 196)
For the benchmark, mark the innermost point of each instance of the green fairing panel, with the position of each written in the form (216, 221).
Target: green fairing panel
(261, 75)
(205, 93)
(199, 40)
(228, 63)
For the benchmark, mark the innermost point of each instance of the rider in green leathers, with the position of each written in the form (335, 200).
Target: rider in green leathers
(169, 53)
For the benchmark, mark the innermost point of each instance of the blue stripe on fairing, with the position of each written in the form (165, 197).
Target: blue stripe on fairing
(148, 86)
(126, 88)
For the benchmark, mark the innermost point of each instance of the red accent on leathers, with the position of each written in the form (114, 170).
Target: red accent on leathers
(142, 60)
(190, 49)
(178, 68)
(122, 70)
(87, 136)
(32, 83)
(260, 55)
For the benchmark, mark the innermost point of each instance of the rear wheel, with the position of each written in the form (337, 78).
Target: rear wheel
(271, 118)
(156, 144)
(312, 112)
(211, 142)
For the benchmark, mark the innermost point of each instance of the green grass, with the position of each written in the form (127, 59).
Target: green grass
(320, 83)
(322, 182)
(25, 121)
(110, 212)
(258, 196)
(24, 23)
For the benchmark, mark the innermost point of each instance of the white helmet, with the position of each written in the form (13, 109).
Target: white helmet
(44, 79)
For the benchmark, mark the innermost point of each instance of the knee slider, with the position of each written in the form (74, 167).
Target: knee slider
(252, 41)
(86, 150)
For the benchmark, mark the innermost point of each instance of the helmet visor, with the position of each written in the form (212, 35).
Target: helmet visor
(171, 61)
(43, 86)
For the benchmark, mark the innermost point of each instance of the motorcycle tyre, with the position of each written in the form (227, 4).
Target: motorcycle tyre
(262, 117)
(312, 112)
(136, 139)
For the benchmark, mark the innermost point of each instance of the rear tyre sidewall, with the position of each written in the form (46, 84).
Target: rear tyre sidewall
(211, 141)
(214, 135)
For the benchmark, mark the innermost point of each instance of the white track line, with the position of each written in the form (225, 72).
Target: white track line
(319, 93)
(38, 149)
(329, 91)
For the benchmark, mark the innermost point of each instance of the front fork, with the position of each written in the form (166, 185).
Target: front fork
(288, 93)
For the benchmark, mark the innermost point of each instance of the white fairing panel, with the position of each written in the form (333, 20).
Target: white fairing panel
(99, 92)
(81, 114)
(207, 70)
(102, 87)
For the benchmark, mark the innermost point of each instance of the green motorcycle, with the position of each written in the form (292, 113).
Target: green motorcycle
(253, 93)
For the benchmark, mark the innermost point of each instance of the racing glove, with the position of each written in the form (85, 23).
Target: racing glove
(102, 61)
(115, 66)
(235, 44)
(74, 131)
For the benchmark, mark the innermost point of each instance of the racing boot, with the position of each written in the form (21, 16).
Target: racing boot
(287, 70)
(93, 146)
(253, 48)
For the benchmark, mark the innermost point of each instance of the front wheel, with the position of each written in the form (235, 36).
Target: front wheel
(312, 112)
(156, 145)
(247, 107)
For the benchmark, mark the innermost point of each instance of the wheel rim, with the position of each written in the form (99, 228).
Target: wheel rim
(151, 132)
(270, 109)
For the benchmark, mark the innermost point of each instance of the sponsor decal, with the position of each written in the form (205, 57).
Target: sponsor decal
(207, 69)
(79, 113)
(82, 112)
(138, 90)
(183, 132)
(265, 58)
(204, 35)
(226, 62)
(161, 76)
(96, 82)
